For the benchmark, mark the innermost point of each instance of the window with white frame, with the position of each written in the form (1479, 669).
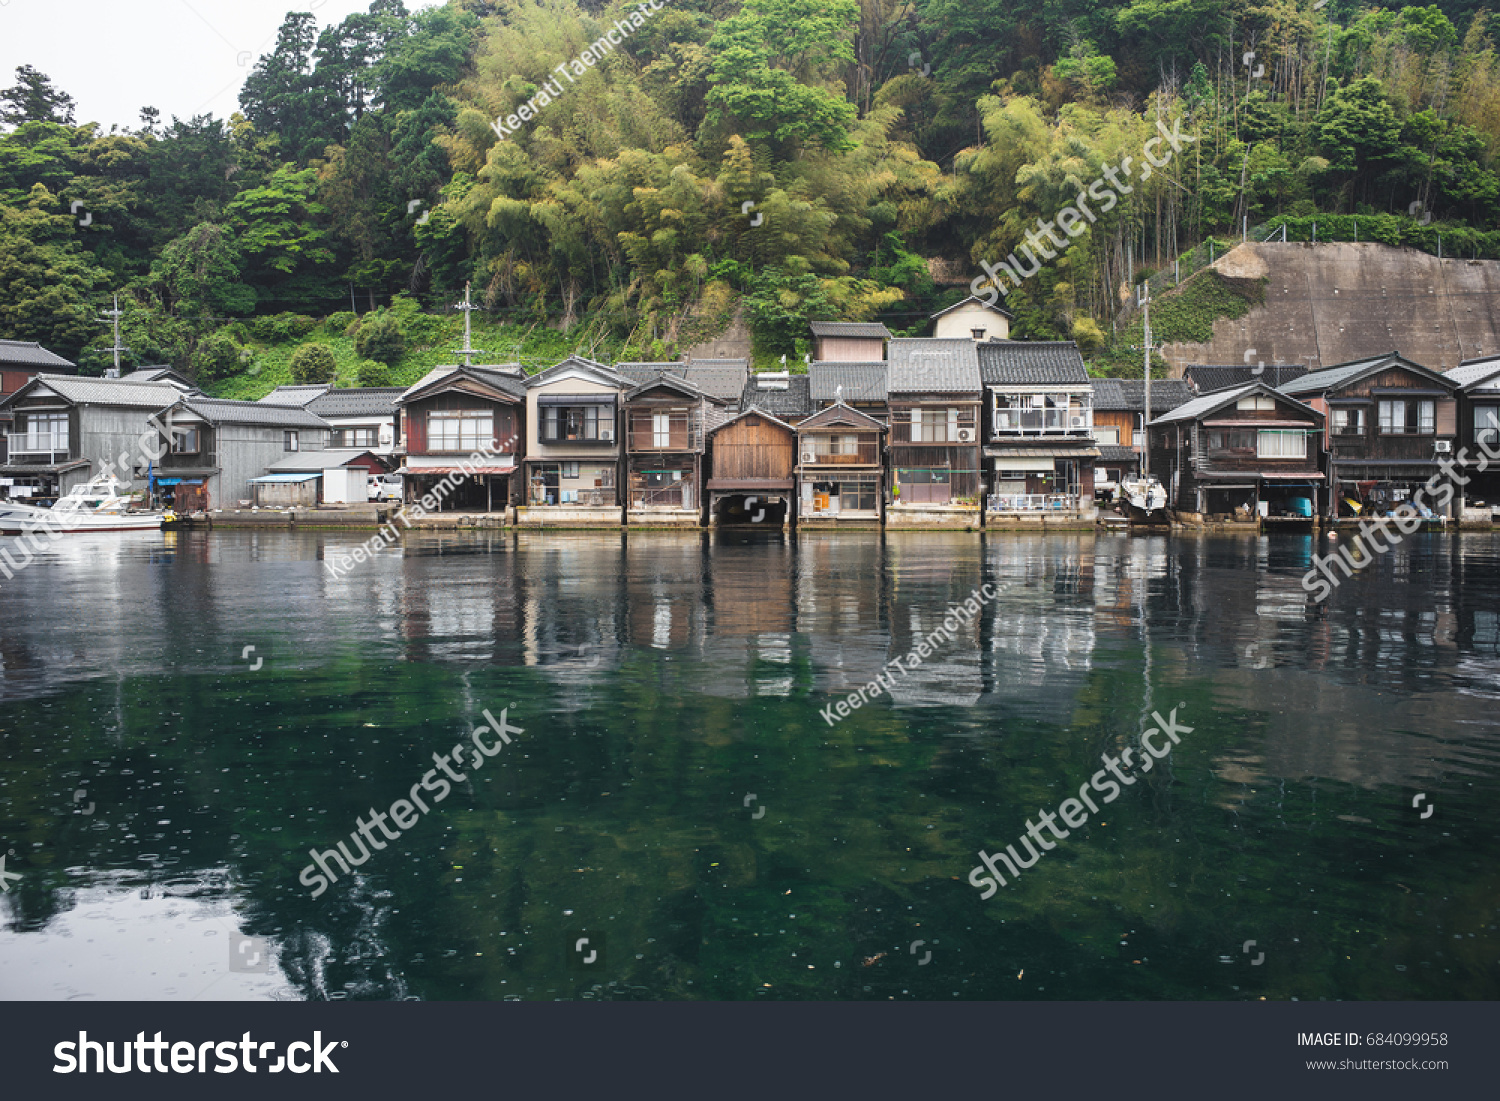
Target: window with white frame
(1258, 403)
(1487, 424)
(46, 431)
(661, 430)
(1274, 444)
(1348, 422)
(459, 429)
(1107, 436)
(1402, 417)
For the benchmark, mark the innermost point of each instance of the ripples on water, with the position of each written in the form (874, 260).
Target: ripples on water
(159, 795)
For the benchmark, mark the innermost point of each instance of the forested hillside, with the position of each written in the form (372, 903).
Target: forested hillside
(778, 160)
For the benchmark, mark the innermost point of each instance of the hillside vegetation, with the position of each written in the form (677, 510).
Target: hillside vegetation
(780, 160)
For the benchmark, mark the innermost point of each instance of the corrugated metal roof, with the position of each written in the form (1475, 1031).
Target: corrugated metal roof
(326, 459)
(1471, 371)
(1208, 403)
(1127, 395)
(28, 353)
(794, 401)
(223, 411)
(1031, 362)
(1330, 377)
(932, 365)
(366, 401)
(861, 381)
(109, 391)
(862, 329)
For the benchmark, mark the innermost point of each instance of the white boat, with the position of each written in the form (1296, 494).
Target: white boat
(1144, 497)
(93, 506)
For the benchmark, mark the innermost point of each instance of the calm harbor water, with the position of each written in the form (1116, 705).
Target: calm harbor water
(675, 798)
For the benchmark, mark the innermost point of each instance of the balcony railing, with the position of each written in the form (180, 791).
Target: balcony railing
(1031, 502)
(1011, 422)
(20, 443)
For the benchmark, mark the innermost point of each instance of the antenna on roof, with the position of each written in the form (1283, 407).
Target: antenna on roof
(468, 350)
(113, 317)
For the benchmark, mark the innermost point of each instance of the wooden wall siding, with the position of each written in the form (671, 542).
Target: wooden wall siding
(763, 451)
(846, 349)
(1125, 422)
(506, 420)
(868, 444)
(642, 437)
(1447, 417)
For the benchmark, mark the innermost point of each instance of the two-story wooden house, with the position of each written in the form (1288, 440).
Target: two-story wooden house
(935, 394)
(1388, 423)
(1119, 424)
(574, 453)
(1039, 446)
(64, 429)
(840, 468)
(221, 448)
(446, 419)
(753, 460)
(1247, 453)
(666, 423)
(20, 362)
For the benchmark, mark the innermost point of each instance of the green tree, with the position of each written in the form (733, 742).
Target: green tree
(380, 338)
(33, 99)
(217, 357)
(313, 363)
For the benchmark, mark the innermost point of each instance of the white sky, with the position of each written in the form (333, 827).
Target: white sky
(184, 57)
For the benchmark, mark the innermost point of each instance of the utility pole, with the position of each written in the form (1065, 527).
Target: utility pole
(1146, 412)
(113, 317)
(468, 350)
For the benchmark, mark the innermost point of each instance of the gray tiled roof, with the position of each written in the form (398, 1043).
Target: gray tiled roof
(1204, 378)
(1209, 403)
(224, 411)
(861, 329)
(861, 381)
(1031, 362)
(366, 401)
(1127, 395)
(719, 378)
(639, 372)
(932, 365)
(1112, 453)
(297, 395)
(24, 353)
(159, 374)
(110, 391)
(794, 401)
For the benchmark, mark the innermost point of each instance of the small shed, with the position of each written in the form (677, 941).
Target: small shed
(286, 490)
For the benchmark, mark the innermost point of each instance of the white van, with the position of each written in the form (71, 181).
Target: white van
(384, 487)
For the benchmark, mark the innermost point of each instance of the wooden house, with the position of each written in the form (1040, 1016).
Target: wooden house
(1388, 421)
(574, 455)
(849, 341)
(1039, 446)
(64, 429)
(1245, 453)
(20, 362)
(840, 472)
(1119, 423)
(753, 459)
(1479, 430)
(934, 394)
(860, 386)
(219, 448)
(666, 420)
(446, 419)
(972, 319)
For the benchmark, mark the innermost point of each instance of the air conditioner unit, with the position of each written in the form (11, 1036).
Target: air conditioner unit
(1442, 447)
(607, 434)
(965, 435)
(1078, 422)
(809, 456)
